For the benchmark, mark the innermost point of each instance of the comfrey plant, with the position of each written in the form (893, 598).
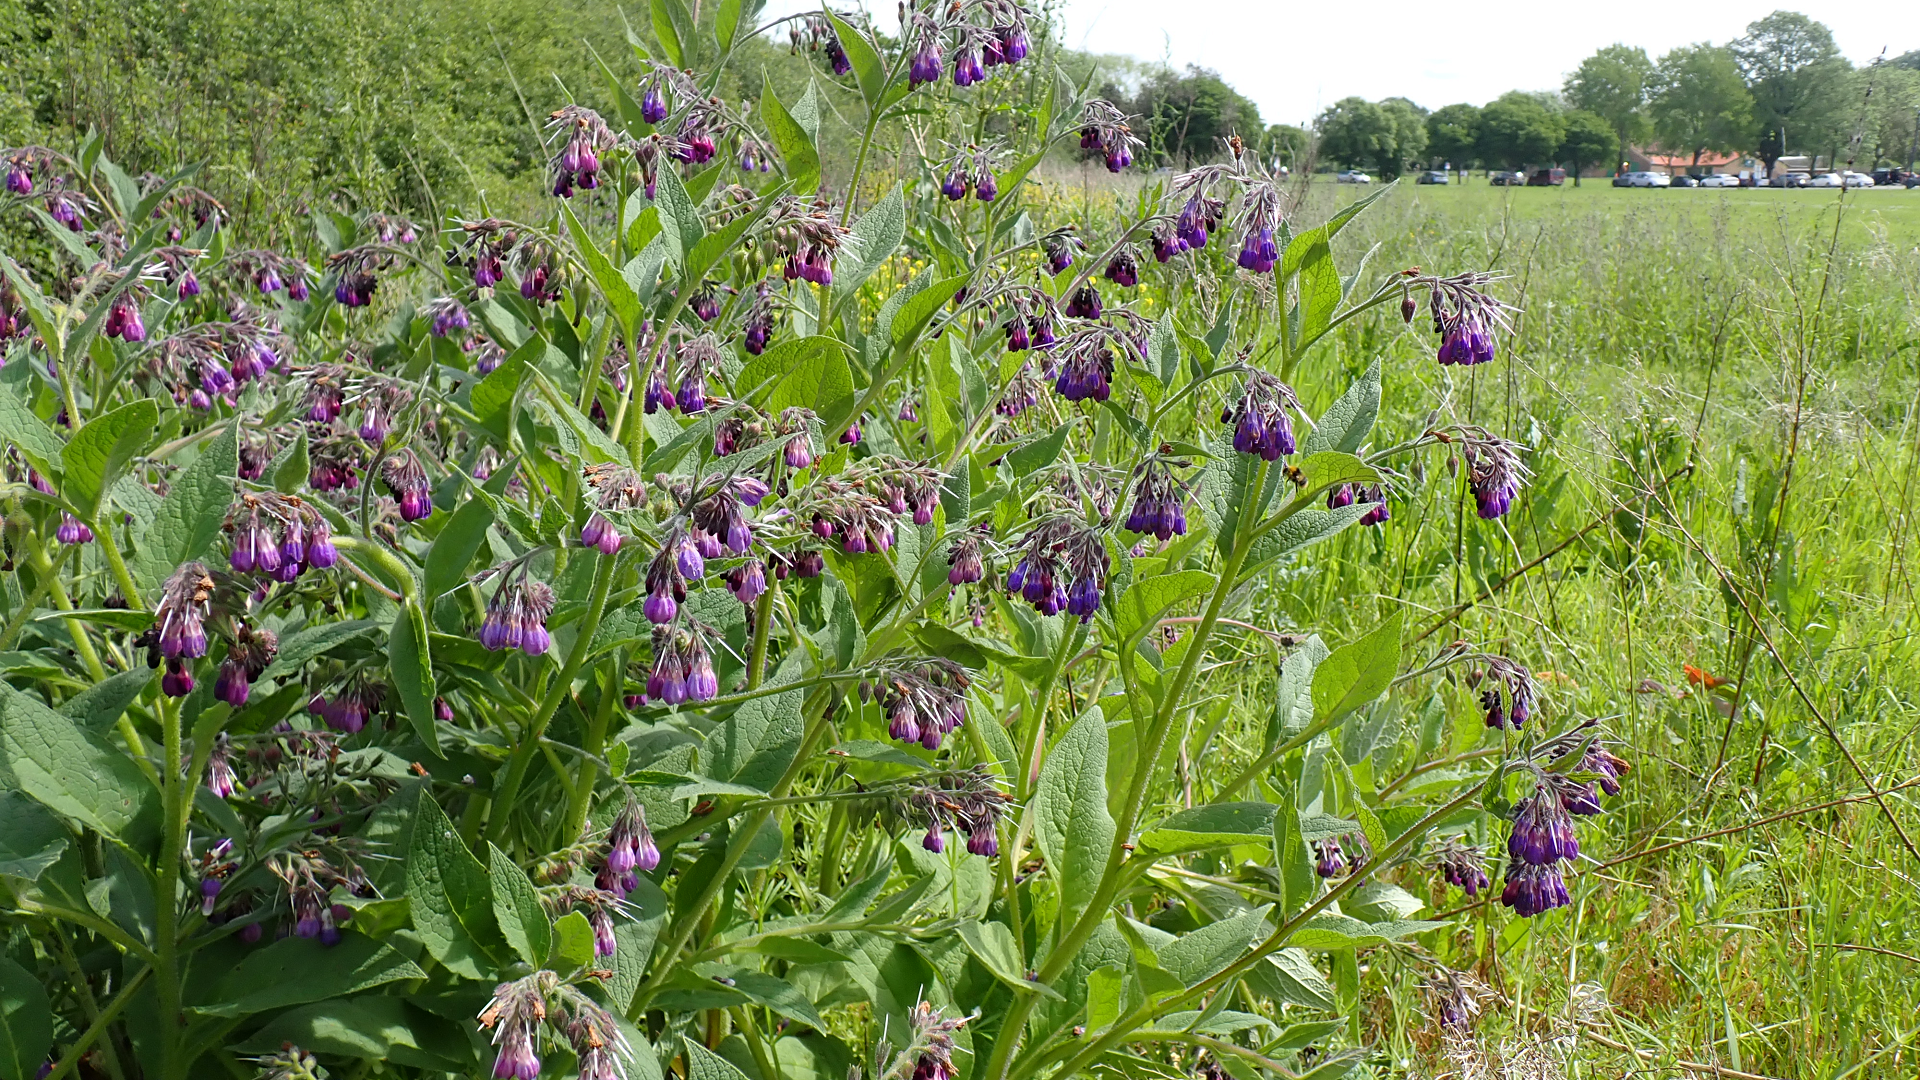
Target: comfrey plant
(745, 620)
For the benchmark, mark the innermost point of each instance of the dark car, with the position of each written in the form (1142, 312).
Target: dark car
(1683, 180)
(1792, 180)
(1894, 178)
(1547, 178)
(1433, 176)
(1506, 179)
(1621, 180)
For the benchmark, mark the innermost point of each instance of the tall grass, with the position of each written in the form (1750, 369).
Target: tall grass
(1723, 397)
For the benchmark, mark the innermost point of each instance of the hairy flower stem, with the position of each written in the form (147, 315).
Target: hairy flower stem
(166, 921)
(762, 623)
(1069, 945)
(592, 748)
(111, 549)
(561, 685)
(49, 575)
(99, 1024)
(1035, 736)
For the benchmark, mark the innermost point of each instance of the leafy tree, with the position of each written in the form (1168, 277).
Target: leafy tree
(1517, 130)
(1797, 79)
(1453, 133)
(1287, 145)
(1893, 116)
(1612, 84)
(1700, 103)
(1187, 117)
(1382, 135)
(1588, 139)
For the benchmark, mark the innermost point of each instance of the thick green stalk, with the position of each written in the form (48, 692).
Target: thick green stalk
(31, 600)
(762, 623)
(1144, 765)
(1034, 735)
(118, 565)
(166, 932)
(99, 1025)
(594, 745)
(549, 704)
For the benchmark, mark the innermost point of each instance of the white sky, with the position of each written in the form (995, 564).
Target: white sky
(1294, 58)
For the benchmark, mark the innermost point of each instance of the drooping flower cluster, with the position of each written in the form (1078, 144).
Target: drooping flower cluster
(682, 668)
(1103, 128)
(220, 777)
(1465, 318)
(517, 612)
(271, 272)
(1542, 838)
(1495, 472)
(929, 1051)
(1507, 693)
(348, 710)
(1159, 500)
(309, 880)
(1062, 566)
(278, 536)
(583, 137)
(252, 650)
(965, 566)
(1336, 855)
(1373, 496)
(969, 170)
(630, 850)
(1461, 866)
(179, 632)
(406, 478)
(213, 360)
(924, 700)
(809, 234)
(520, 1010)
(613, 490)
(1259, 419)
(969, 801)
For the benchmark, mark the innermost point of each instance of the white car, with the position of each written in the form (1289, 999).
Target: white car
(1849, 180)
(1352, 177)
(1719, 180)
(1649, 180)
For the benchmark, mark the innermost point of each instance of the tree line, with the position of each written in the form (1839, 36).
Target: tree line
(1780, 88)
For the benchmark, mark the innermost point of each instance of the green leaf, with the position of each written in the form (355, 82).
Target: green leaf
(66, 769)
(775, 993)
(450, 896)
(317, 641)
(809, 372)
(680, 224)
(704, 1064)
(1346, 423)
(1149, 598)
(188, 519)
(99, 452)
(754, 746)
(36, 441)
(1104, 985)
(459, 541)
(572, 943)
(1299, 884)
(1163, 351)
(1319, 292)
(726, 23)
(26, 1022)
(992, 944)
(1041, 452)
(1206, 951)
(1359, 671)
(1216, 825)
(621, 298)
(1074, 829)
(868, 71)
(1304, 528)
(796, 145)
(517, 907)
(1289, 975)
(875, 237)
(99, 706)
(921, 307)
(714, 246)
(374, 1028)
(603, 448)
(1326, 933)
(491, 401)
(290, 468)
(410, 662)
(295, 970)
(32, 841)
(673, 28)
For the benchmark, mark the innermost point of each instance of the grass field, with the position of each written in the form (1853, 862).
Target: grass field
(1721, 390)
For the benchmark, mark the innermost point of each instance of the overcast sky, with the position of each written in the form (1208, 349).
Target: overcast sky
(1293, 59)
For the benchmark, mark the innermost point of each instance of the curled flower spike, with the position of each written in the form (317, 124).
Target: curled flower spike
(1327, 860)
(653, 100)
(1465, 317)
(965, 567)
(1494, 470)
(1508, 693)
(349, 711)
(1062, 567)
(72, 530)
(220, 775)
(185, 602)
(1104, 128)
(1259, 419)
(1124, 268)
(1058, 247)
(682, 669)
(924, 700)
(1084, 303)
(252, 650)
(587, 138)
(1462, 867)
(517, 616)
(445, 315)
(515, 1015)
(1159, 502)
(406, 478)
(630, 844)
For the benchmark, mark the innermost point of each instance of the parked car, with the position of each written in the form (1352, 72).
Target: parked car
(1894, 178)
(1506, 179)
(1851, 180)
(1720, 180)
(1352, 176)
(1683, 180)
(1547, 178)
(1434, 176)
(1622, 180)
(1792, 180)
(1649, 179)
